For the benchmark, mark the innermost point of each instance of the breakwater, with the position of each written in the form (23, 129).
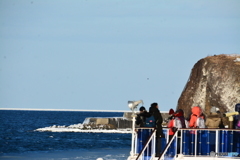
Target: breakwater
(116, 122)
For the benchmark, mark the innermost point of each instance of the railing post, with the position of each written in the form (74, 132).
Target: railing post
(153, 145)
(167, 136)
(231, 143)
(133, 134)
(176, 148)
(208, 142)
(186, 142)
(216, 141)
(195, 147)
(136, 141)
(181, 140)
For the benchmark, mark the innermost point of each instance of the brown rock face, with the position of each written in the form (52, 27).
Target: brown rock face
(214, 81)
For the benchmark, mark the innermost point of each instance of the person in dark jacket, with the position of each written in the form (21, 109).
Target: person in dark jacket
(236, 125)
(153, 110)
(236, 120)
(141, 121)
(141, 117)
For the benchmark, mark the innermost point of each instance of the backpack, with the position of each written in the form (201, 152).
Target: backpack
(150, 122)
(186, 124)
(177, 123)
(200, 123)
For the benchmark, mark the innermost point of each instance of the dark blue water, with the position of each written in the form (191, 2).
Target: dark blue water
(17, 135)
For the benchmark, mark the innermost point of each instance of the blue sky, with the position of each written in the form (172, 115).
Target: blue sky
(97, 55)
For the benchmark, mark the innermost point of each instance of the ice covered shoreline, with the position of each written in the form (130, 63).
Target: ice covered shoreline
(49, 129)
(69, 129)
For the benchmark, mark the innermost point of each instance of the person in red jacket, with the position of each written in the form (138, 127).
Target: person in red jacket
(196, 113)
(178, 121)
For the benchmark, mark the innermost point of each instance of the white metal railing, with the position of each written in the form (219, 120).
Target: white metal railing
(145, 143)
(189, 142)
(168, 146)
(148, 150)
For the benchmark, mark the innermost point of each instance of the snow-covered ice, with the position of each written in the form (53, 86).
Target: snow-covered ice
(80, 128)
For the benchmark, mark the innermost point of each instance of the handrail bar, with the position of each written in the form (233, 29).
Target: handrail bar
(211, 129)
(146, 145)
(168, 145)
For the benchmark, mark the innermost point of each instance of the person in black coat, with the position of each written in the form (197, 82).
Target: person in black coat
(153, 110)
(236, 120)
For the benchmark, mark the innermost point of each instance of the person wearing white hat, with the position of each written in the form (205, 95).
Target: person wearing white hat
(213, 120)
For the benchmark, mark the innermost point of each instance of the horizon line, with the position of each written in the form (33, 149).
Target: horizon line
(81, 110)
(86, 110)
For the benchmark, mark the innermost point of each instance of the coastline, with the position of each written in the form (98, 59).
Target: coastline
(51, 129)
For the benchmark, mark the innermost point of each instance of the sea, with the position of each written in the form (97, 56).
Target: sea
(19, 139)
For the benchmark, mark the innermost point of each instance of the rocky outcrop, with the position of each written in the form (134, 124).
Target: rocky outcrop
(214, 81)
